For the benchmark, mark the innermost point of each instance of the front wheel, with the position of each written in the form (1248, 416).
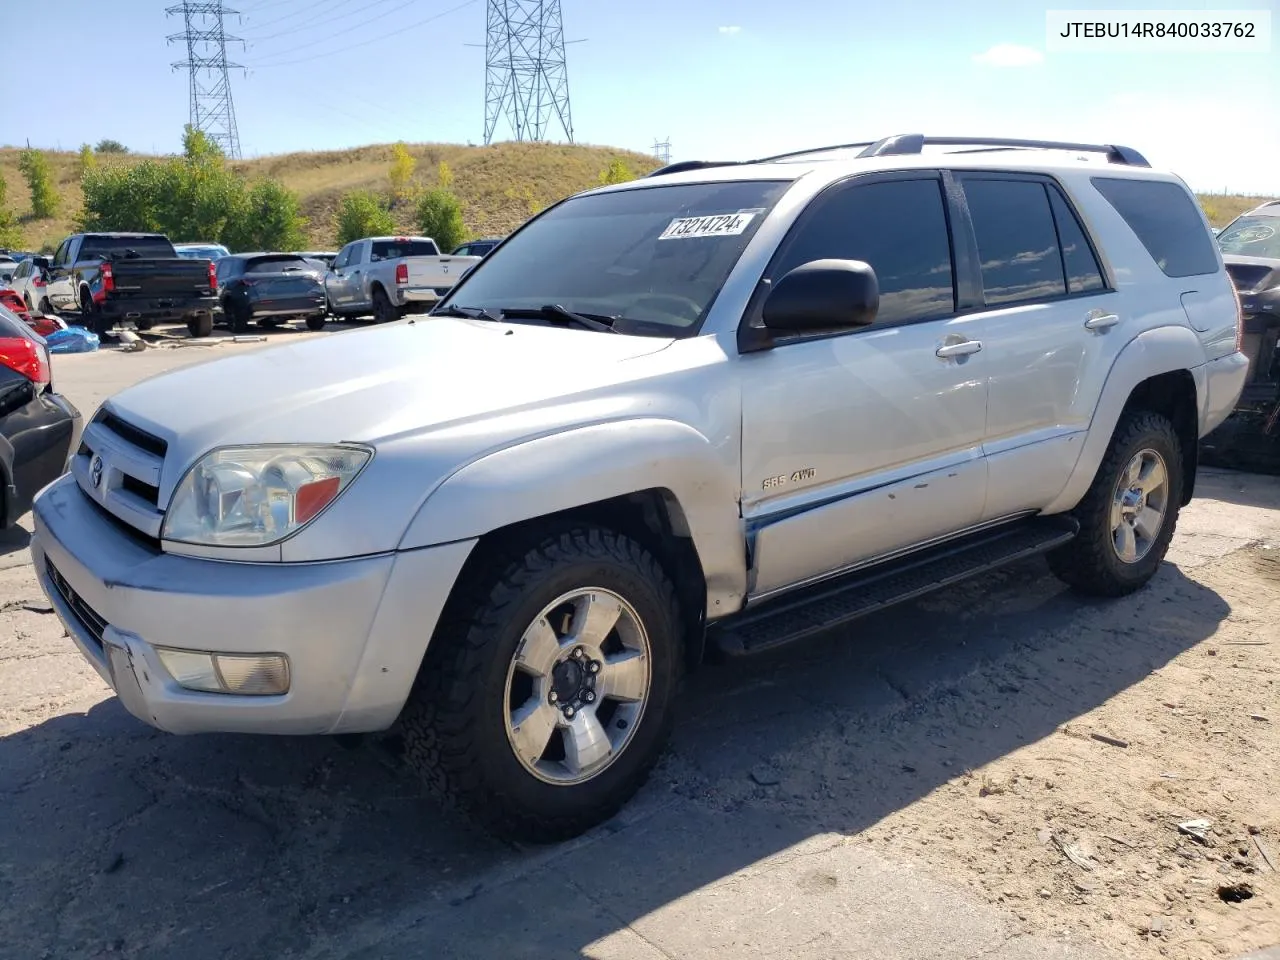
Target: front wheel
(546, 695)
(1128, 516)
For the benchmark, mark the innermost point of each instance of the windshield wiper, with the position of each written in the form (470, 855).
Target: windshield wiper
(474, 313)
(553, 311)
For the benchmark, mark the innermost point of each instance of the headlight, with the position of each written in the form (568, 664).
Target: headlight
(254, 496)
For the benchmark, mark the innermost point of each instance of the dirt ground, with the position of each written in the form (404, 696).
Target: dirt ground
(1003, 737)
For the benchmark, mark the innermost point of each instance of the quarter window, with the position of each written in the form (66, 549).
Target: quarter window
(899, 228)
(1017, 243)
(1083, 273)
(1167, 222)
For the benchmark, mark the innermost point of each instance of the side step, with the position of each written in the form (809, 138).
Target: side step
(818, 608)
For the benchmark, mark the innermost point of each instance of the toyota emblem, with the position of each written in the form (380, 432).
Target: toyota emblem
(95, 471)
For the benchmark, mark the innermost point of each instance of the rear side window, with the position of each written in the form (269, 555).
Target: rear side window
(394, 249)
(1166, 221)
(1017, 242)
(1083, 273)
(899, 227)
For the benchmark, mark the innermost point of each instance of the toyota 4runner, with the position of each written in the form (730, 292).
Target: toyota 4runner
(724, 407)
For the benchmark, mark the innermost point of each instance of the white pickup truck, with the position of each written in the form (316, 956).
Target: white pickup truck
(391, 276)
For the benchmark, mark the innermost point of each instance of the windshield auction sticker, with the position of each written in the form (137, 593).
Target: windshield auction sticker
(715, 225)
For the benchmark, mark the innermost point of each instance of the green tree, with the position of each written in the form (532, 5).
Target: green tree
(440, 218)
(616, 172)
(271, 220)
(197, 147)
(87, 159)
(111, 146)
(444, 175)
(10, 234)
(35, 168)
(402, 167)
(362, 214)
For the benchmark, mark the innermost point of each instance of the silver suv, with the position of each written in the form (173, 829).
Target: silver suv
(727, 406)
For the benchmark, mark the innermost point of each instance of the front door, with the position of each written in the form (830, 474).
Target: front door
(867, 443)
(63, 291)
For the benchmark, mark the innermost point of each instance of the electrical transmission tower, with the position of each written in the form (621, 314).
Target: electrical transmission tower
(212, 110)
(525, 75)
(662, 150)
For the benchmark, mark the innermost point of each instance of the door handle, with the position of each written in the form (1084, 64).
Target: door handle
(961, 349)
(1102, 321)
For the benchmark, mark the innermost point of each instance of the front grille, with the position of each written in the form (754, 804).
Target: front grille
(127, 431)
(84, 614)
(139, 489)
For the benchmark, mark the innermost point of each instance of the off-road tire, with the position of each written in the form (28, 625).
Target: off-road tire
(453, 725)
(1089, 563)
(201, 324)
(316, 322)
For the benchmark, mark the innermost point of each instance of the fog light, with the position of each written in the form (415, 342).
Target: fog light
(241, 674)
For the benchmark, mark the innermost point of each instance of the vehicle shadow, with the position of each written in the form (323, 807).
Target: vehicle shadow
(14, 539)
(1238, 487)
(119, 838)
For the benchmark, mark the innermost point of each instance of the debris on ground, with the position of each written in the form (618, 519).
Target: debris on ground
(1196, 830)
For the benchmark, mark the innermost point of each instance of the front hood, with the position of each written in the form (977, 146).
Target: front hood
(367, 385)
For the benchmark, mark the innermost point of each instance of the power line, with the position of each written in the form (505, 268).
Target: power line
(364, 43)
(328, 21)
(526, 78)
(309, 12)
(212, 110)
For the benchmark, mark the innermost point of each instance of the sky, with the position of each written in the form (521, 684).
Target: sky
(719, 79)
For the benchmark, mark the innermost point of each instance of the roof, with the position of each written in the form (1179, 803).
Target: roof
(1269, 208)
(904, 152)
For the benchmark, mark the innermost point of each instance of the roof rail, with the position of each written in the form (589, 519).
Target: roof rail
(909, 143)
(683, 165)
(809, 150)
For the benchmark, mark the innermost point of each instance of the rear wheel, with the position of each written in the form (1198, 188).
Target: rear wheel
(384, 311)
(91, 316)
(546, 696)
(316, 322)
(201, 324)
(1128, 516)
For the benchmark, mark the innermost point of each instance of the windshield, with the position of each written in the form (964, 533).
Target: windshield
(202, 253)
(1252, 237)
(654, 256)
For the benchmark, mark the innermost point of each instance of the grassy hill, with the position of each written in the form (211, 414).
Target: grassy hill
(499, 185)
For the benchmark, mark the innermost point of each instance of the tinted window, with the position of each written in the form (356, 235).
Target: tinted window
(122, 247)
(394, 249)
(654, 256)
(1167, 222)
(1083, 272)
(1017, 243)
(276, 264)
(63, 251)
(229, 267)
(356, 254)
(898, 227)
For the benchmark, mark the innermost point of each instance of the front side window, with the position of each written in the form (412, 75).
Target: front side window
(1017, 242)
(899, 228)
(60, 257)
(652, 259)
(1252, 237)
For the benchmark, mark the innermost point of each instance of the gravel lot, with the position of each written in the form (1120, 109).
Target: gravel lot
(917, 787)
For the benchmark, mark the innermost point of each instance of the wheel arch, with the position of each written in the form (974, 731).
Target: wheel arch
(1161, 371)
(659, 480)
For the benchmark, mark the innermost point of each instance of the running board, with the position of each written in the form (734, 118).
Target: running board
(832, 603)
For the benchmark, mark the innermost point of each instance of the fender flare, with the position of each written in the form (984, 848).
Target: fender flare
(1150, 354)
(546, 475)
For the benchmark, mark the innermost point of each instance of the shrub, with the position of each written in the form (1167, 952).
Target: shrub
(616, 172)
(362, 214)
(111, 146)
(402, 167)
(10, 235)
(444, 175)
(87, 158)
(35, 168)
(440, 218)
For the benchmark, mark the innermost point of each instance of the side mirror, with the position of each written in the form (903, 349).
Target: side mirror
(823, 295)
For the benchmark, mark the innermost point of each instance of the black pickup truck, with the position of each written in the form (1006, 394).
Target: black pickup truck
(136, 278)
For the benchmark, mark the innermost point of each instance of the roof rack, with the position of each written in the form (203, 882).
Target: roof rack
(682, 165)
(909, 143)
(806, 152)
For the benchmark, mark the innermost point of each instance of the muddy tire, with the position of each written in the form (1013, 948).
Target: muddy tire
(1128, 516)
(547, 691)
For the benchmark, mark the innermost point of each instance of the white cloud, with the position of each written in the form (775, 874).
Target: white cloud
(730, 30)
(1009, 55)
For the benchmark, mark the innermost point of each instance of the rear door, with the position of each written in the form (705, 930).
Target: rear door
(1052, 325)
(863, 444)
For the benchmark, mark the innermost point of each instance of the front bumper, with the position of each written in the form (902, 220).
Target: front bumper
(354, 630)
